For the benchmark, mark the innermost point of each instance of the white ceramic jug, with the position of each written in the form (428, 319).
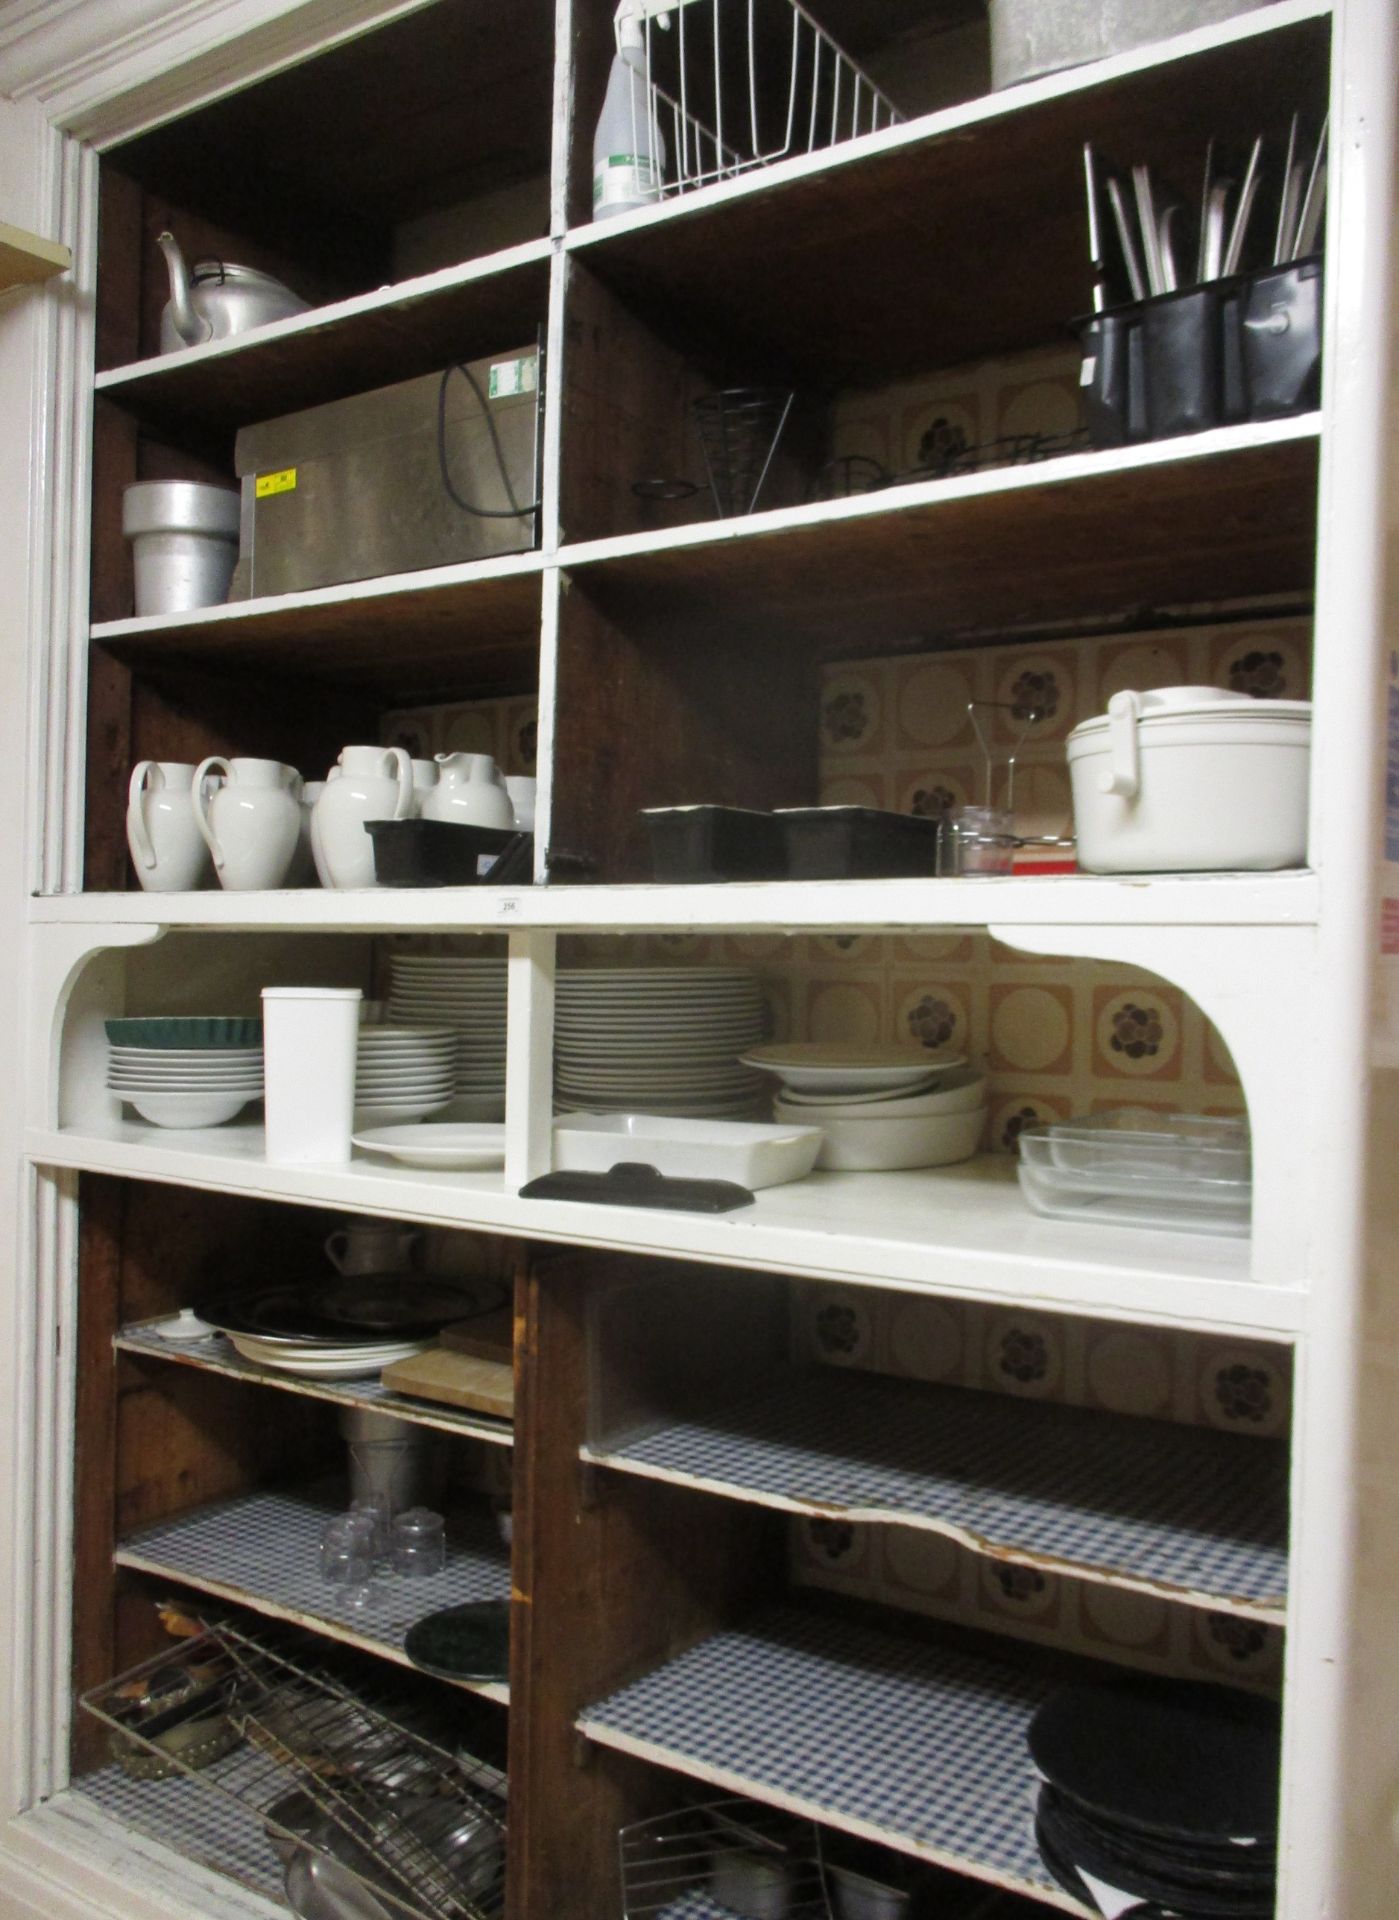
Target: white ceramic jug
(424, 780)
(251, 823)
(522, 788)
(469, 791)
(167, 848)
(366, 783)
(372, 1246)
(303, 866)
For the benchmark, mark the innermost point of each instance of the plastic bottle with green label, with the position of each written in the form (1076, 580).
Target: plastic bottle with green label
(628, 147)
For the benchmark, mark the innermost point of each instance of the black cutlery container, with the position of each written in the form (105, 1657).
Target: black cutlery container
(443, 853)
(715, 843)
(1279, 323)
(1247, 348)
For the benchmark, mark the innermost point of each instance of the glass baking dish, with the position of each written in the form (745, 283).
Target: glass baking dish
(1189, 1172)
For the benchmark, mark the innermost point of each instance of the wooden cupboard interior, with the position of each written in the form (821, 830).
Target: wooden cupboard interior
(674, 671)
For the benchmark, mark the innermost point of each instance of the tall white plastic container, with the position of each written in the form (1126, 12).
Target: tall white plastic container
(310, 1039)
(628, 145)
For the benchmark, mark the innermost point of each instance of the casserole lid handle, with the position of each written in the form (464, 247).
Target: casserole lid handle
(1123, 771)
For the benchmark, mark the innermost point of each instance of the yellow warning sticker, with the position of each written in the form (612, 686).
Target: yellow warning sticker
(283, 482)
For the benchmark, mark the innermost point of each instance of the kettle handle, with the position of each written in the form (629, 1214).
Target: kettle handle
(214, 764)
(1123, 773)
(403, 766)
(135, 815)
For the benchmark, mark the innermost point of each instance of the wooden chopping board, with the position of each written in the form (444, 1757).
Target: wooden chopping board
(456, 1380)
(489, 1337)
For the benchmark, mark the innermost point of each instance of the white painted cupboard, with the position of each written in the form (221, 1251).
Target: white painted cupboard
(666, 652)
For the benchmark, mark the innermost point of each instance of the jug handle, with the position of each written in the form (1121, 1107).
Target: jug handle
(135, 818)
(214, 764)
(403, 765)
(1124, 770)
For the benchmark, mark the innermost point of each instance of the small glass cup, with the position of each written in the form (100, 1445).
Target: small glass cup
(976, 840)
(377, 1518)
(347, 1551)
(419, 1543)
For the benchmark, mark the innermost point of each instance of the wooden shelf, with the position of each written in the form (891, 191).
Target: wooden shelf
(373, 340)
(195, 1819)
(262, 1551)
(1194, 1515)
(218, 1355)
(952, 237)
(961, 1231)
(26, 259)
(404, 635)
(1222, 516)
(912, 1744)
(1261, 900)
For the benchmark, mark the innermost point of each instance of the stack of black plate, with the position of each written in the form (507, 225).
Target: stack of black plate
(1163, 1792)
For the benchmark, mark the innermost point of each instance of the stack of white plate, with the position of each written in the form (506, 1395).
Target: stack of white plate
(656, 1040)
(321, 1359)
(403, 1073)
(469, 997)
(879, 1108)
(186, 1086)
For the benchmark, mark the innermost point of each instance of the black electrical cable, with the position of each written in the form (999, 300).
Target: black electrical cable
(513, 511)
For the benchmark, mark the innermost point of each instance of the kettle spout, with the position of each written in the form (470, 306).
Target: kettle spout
(186, 322)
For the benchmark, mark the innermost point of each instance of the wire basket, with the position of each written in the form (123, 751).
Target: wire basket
(325, 1769)
(735, 84)
(721, 1858)
(739, 429)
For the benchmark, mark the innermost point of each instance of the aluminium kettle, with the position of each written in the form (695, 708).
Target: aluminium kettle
(218, 299)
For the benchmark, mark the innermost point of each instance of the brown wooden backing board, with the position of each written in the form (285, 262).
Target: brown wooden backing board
(650, 717)
(606, 1587)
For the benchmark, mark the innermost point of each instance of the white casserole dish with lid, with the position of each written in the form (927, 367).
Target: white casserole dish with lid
(1191, 780)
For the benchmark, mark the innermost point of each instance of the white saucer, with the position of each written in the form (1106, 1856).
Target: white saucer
(445, 1144)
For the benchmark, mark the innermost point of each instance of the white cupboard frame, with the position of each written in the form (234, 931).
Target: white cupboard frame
(76, 79)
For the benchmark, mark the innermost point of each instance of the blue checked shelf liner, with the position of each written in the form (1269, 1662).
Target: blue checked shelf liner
(1181, 1508)
(918, 1745)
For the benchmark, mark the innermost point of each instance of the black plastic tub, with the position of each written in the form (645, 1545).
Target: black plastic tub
(441, 853)
(715, 843)
(858, 843)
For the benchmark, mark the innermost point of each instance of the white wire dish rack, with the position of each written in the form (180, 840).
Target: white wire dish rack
(730, 85)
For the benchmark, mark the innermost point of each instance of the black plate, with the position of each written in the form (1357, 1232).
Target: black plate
(353, 1310)
(1188, 1763)
(470, 1642)
(1182, 1864)
(1211, 1896)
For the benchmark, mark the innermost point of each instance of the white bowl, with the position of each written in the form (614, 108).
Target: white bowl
(188, 1109)
(752, 1155)
(956, 1092)
(884, 1143)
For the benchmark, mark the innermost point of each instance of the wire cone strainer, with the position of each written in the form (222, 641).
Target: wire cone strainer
(739, 428)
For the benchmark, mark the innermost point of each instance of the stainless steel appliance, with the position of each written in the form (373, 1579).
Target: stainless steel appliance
(422, 474)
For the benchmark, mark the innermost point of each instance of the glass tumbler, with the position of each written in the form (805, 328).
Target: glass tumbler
(419, 1543)
(347, 1550)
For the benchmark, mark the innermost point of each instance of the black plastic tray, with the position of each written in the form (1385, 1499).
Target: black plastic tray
(715, 843)
(442, 853)
(858, 843)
